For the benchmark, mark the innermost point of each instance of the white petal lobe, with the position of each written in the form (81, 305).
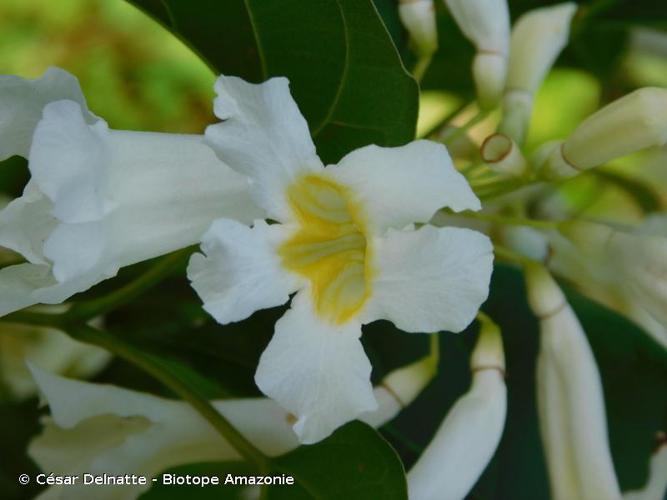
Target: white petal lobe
(431, 279)
(316, 370)
(263, 136)
(399, 186)
(21, 103)
(239, 271)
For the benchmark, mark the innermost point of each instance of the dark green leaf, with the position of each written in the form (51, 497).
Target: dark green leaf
(345, 72)
(353, 463)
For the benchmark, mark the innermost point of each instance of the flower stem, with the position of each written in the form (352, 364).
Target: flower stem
(420, 68)
(512, 221)
(162, 371)
(455, 134)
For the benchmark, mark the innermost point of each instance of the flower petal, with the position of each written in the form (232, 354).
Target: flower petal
(21, 103)
(431, 279)
(26, 222)
(17, 284)
(316, 370)
(398, 186)
(239, 271)
(68, 162)
(263, 136)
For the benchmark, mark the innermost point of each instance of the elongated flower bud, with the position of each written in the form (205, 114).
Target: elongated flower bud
(503, 155)
(631, 123)
(468, 437)
(570, 400)
(486, 24)
(399, 388)
(418, 18)
(537, 38)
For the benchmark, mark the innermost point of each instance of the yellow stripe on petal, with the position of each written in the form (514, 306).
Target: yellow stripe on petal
(330, 248)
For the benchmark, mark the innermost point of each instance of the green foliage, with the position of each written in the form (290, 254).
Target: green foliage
(344, 71)
(353, 463)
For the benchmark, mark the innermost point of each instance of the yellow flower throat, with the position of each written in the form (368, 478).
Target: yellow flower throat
(330, 247)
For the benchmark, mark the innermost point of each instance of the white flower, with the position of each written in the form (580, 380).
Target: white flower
(100, 429)
(341, 243)
(47, 348)
(486, 23)
(100, 199)
(635, 121)
(468, 437)
(571, 408)
(418, 17)
(538, 37)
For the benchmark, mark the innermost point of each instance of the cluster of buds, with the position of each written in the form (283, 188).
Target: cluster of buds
(571, 407)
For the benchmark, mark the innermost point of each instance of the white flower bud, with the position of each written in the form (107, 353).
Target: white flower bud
(468, 437)
(570, 400)
(538, 37)
(631, 123)
(503, 155)
(486, 24)
(399, 388)
(418, 18)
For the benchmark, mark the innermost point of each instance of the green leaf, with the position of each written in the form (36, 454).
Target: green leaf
(344, 70)
(355, 462)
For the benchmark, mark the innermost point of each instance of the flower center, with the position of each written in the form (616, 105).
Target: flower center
(330, 247)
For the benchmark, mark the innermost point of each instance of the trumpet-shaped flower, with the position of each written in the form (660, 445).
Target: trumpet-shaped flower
(343, 242)
(99, 199)
(100, 429)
